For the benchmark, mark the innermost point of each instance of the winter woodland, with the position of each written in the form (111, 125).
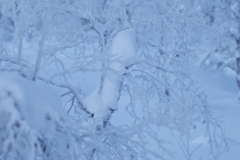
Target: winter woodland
(114, 79)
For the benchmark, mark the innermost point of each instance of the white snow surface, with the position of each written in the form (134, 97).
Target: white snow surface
(221, 90)
(123, 49)
(222, 94)
(39, 105)
(106, 98)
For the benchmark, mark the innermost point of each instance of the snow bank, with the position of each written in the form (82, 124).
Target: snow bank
(36, 103)
(33, 124)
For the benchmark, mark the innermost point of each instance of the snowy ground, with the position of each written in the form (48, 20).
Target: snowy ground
(222, 94)
(221, 90)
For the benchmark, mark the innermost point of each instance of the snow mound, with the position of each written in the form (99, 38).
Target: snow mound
(35, 103)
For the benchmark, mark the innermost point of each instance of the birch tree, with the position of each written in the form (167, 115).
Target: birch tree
(136, 49)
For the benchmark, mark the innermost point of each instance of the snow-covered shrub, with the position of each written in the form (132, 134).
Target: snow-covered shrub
(102, 56)
(33, 123)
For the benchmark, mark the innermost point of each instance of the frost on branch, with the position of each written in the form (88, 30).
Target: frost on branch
(103, 100)
(158, 89)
